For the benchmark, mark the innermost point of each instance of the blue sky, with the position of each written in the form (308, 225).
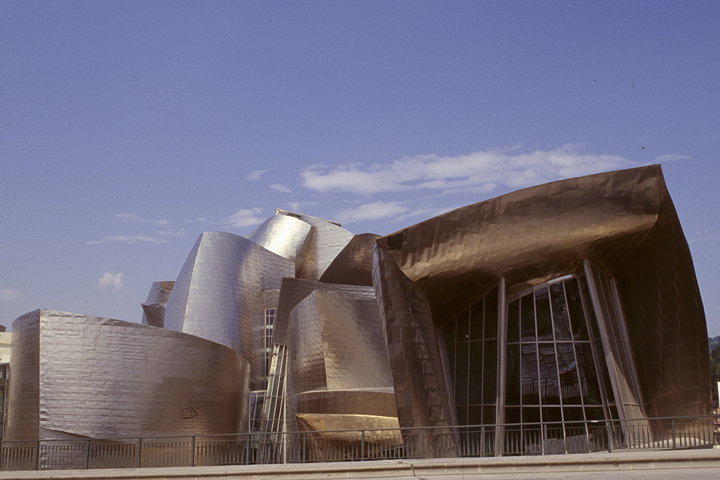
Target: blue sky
(127, 128)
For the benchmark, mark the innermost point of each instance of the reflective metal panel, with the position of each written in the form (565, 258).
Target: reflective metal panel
(285, 236)
(294, 290)
(219, 294)
(328, 240)
(418, 376)
(24, 389)
(104, 378)
(336, 344)
(527, 237)
(624, 222)
(353, 265)
(154, 306)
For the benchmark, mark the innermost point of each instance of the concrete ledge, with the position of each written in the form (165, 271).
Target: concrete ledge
(595, 462)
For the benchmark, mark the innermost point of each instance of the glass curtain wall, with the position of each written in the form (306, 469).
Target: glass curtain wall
(471, 341)
(565, 364)
(553, 385)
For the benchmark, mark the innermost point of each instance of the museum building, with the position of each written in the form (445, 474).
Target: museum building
(562, 305)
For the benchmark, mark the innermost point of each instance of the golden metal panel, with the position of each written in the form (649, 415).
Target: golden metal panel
(622, 221)
(353, 265)
(418, 376)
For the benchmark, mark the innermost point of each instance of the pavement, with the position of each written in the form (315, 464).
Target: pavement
(445, 468)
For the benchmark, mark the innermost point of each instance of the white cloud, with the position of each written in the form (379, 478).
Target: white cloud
(256, 175)
(171, 233)
(10, 294)
(244, 218)
(134, 218)
(671, 157)
(280, 188)
(113, 280)
(371, 211)
(479, 170)
(130, 240)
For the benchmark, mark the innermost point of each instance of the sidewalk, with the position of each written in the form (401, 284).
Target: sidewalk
(396, 469)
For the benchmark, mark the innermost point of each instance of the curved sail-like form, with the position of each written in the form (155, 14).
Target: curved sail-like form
(218, 294)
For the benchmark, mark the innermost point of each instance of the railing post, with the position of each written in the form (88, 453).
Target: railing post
(610, 438)
(37, 455)
(362, 446)
(139, 451)
(192, 451)
(87, 456)
(422, 442)
(672, 422)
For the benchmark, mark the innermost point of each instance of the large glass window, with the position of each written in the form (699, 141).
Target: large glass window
(552, 383)
(471, 342)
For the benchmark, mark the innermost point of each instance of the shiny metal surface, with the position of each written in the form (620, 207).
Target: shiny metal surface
(294, 290)
(154, 306)
(412, 345)
(326, 242)
(624, 222)
(286, 236)
(353, 265)
(219, 295)
(94, 377)
(336, 346)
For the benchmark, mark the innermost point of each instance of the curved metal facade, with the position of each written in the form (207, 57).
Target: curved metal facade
(624, 222)
(94, 377)
(356, 323)
(218, 294)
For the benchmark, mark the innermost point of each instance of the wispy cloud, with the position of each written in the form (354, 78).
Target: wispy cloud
(256, 175)
(244, 218)
(280, 188)
(113, 280)
(671, 157)
(128, 239)
(10, 294)
(371, 211)
(172, 233)
(134, 218)
(484, 170)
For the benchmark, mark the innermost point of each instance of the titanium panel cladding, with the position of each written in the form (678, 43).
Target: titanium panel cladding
(154, 306)
(412, 346)
(283, 235)
(219, 294)
(328, 240)
(336, 344)
(103, 378)
(24, 387)
(295, 290)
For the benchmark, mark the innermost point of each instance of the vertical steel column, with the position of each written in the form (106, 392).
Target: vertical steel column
(501, 370)
(362, 446)
(87, 456)
(192, 451)
(37, 455)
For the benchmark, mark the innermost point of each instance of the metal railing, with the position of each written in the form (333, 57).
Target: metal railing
(360, 445)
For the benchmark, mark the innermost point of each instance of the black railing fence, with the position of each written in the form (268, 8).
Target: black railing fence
(359, 445)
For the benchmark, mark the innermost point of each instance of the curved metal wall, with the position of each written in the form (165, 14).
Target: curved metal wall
(285, 236)
(104, 378)
(154, 306)
(336, 346)
(218, 294)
